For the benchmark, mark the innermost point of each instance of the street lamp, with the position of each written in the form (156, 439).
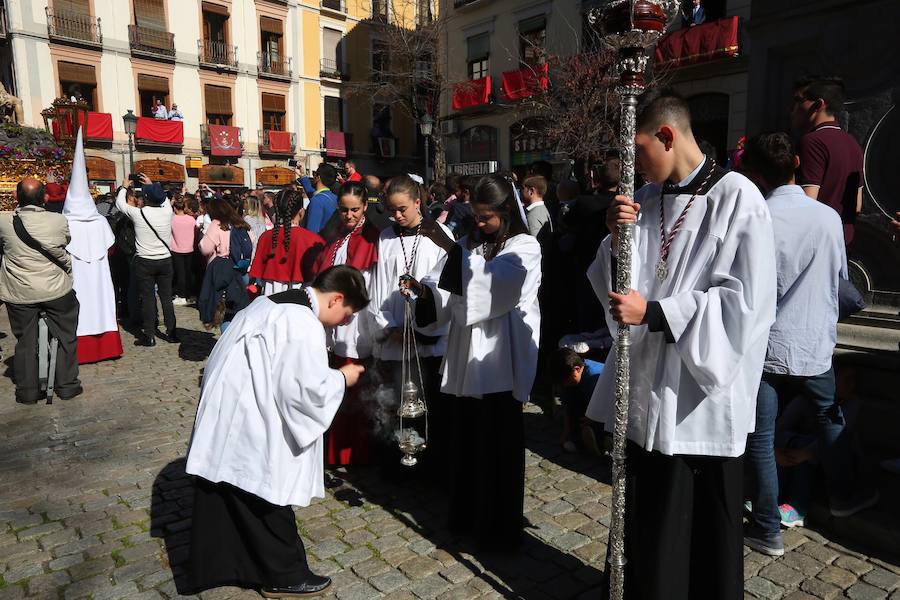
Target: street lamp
(130, 120)
(425, 126)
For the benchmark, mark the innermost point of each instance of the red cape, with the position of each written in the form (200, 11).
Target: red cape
(362, 251)
(296, 265)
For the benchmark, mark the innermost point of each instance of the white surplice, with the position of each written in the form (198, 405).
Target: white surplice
(387, 307)
(697, 395)
(353, 340)
(492, 345)
(267, 397)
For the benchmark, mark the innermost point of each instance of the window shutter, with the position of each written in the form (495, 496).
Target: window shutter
(152, 83)
(215, 8)
(76, 73)
(79, 7)
(150, 13)
(331, 39)
(479, 47)
(533, 24)
(218, 100)
(272, 103)
(270, 25)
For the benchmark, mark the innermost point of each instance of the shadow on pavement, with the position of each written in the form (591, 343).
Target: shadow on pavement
(172, 504)
(542, 439)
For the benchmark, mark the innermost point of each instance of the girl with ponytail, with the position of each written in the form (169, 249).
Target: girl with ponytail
(286, 254)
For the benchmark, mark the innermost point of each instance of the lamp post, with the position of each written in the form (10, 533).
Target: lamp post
(426, 126)
(130, 120)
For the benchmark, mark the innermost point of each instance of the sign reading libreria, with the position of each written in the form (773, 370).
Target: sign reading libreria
(474, 168)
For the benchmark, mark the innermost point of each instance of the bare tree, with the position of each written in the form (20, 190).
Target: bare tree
(404, 73)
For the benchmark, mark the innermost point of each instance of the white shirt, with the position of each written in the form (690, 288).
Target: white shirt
(388, 306)
(145, 241)
(160, 112)
(353, 340)
(176, 115)
(495, 325)
(698, 395)
(811, 257)
(267, 397)
(536, 219)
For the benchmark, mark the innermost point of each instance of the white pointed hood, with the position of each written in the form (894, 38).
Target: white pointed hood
(91, 233)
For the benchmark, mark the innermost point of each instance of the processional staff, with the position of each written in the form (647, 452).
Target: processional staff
(630, 27)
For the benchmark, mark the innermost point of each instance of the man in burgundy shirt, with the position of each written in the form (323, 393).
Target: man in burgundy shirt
(831, 161)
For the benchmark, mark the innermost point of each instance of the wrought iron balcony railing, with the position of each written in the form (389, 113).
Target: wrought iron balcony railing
(266, 147)
(333, 69)
(274, 65)
(217, 54)
(156, 42)
(69, 27)
(204, 136)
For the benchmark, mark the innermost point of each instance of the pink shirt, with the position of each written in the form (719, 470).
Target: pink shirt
(217, 242)
(184, 228)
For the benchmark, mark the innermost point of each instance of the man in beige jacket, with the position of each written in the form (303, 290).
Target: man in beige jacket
(35, 276)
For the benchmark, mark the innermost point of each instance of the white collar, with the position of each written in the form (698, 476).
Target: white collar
(684, 182)
(533, 205)
(313, 300)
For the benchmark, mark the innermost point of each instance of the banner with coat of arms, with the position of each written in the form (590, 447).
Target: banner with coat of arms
(224, 140)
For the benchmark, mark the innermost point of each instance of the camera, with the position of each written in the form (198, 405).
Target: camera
(135, 178)
(292, 162)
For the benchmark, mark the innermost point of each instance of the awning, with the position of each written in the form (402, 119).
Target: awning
(224, 140)
(159, 131)
(335, 144)
(522, 83)
(472, 93)
(699, 44)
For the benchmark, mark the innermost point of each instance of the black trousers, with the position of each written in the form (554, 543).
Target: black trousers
(62, 318)
(239, 539)
(158, 273)
(183, 264)
(683, 529)
(488, 469)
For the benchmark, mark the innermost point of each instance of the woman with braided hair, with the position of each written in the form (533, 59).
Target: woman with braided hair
(353, 243)
(286, 254)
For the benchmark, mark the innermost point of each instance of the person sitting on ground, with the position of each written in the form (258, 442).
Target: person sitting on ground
(35, 277)
(578, 378)
(266, 399)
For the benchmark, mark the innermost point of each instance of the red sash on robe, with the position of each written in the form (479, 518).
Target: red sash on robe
(362, 250)
(292, 266)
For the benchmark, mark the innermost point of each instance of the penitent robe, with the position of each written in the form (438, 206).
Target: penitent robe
(695, 395)
(267, 397)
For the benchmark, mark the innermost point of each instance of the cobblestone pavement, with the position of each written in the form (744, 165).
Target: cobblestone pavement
(94, 503)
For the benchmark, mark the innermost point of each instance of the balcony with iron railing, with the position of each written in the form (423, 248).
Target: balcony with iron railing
(69, 28)
(335, 6)
(151, 42)
(333, 69)
(217, 55)
(204, 136)
(280, 142)
(274, 65)
(380, 11)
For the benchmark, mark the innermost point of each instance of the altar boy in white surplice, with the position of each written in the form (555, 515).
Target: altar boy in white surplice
(267, 397)
(703, 299)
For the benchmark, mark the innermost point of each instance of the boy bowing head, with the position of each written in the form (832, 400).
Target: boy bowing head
(267, 397)
(703, 299)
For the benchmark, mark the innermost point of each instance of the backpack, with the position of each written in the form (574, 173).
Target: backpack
(240, 249)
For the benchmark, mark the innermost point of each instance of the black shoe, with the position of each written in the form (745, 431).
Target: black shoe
(170, 336)
(313, 586)
(69, 394)
(24, 400)
(144, 340)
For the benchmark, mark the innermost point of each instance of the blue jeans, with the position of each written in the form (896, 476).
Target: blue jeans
(835, 448)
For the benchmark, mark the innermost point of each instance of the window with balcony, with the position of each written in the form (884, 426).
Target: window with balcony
(78, 81)
(214, 47)
(151, 88)
(150, 34)
(332, 59)
(71, 20)
(424, 15)
(380, 10)
(273, 112)
(532, 41)
(218, 104)
(334, 113)
(478, 143)
(478, 50)
(335, 5)
(380, 59)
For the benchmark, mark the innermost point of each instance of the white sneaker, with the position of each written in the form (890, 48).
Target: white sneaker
(179, 301)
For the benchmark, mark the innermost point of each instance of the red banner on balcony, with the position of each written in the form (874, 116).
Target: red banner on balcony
(158, 131)
(280, 142)
(336, 144)
(472, 93)
(699, 44)
(523, 83)
(224, 140)
(99, 126)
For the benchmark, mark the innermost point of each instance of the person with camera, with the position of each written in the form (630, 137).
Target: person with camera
(322, 201)
(36, 277)
(153, 263)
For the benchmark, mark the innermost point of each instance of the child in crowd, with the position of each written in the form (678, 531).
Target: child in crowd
(577, 377)
(184, 238)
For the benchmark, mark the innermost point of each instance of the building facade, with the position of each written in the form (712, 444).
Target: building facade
(276, 70)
